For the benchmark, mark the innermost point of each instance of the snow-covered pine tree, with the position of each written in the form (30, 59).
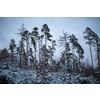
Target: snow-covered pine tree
(20, 51)
(39, 46)
(88, 37)
(47, 56)
(25, 37)
(74, 42)
(96, 43)
(12, 47)
(80, 52)
(31, 58)
(34, 35)
(22, 30)
(63, 42)
(46, 31)
(52, 50)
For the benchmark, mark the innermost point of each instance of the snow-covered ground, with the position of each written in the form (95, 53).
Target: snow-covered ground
(29, 76)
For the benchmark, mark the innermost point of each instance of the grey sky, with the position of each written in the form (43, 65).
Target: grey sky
(73, 25)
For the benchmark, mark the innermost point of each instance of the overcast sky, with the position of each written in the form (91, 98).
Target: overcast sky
(73, 25)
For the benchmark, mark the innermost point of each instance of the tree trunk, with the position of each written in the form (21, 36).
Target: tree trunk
(79, 59)
(51, 51)
(73, 52)
(72, 56)
(27, 51)
(91, 54)
(21, 54)
(28, 60)
(35, 53)
(12, 56)
(45, 47)
(41, 58)
(98, 55)
(36, 49)
(65, 54)
(39, 50)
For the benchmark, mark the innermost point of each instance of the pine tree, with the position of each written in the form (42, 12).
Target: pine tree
(62, 58)
(47, 56)
(25, 37)
(20, 52)
(63, 42)
(21, 42)
(35, 36)
(96, 43)
(12, 47)
(46, 31)
(80, 52)
(88, 36)
(39, 40)
(74, 42)
(34, 46)
(30, 54)
(25, 59)
(52, 50)
(4, 55)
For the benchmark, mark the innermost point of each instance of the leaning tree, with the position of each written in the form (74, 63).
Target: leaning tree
(88, 37)
(96, 43)
(74, 42)
(80, 52)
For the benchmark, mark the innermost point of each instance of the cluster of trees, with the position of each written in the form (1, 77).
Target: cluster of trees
(70, 46)
(93, 40)
(33, 47)
(68, 57)
(33, 41)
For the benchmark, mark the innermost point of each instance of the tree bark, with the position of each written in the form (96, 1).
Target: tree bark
(28, 59)
(39, 50)
(91, 54)
(35, 53)
(41, 58)
(79, 59)
(66, 54)
(12, 56)
(21, 54)
(45, 47)
(98, 55)
(51, 51)
(36, 49)
(27, 51)
(73, 52)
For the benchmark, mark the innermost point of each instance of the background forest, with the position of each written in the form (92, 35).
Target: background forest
(70, 16)
(32, 60)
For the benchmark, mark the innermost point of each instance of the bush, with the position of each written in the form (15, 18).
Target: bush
(5, 80)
